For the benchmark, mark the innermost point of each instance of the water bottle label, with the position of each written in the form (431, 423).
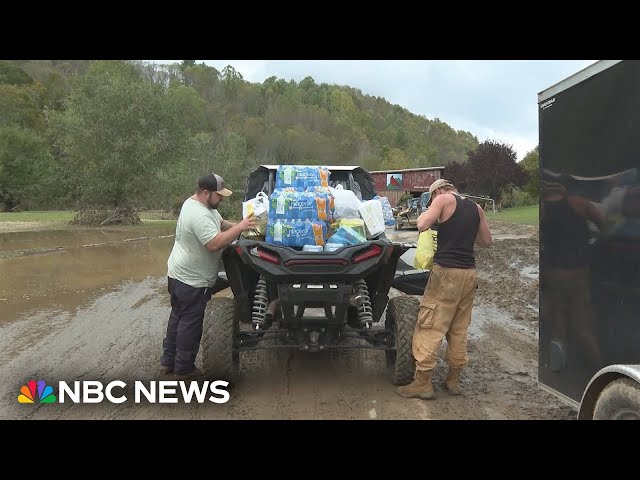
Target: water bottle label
(287, 176)
(280, 205)
(318, 234)
(277, 232)
(324, 177)
(321, 205)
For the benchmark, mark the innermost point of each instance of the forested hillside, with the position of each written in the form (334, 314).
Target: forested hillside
(107, 134)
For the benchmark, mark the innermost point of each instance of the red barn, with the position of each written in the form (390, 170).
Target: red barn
(393, 184)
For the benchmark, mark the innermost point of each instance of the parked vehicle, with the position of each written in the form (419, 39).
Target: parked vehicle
(589, 128)
(408, 216)
(313, 301)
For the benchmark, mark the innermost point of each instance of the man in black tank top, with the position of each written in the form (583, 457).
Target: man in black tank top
(565, 262)
(445, 308)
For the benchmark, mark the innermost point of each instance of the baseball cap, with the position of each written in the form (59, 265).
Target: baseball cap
(214, 183)
(441, 182)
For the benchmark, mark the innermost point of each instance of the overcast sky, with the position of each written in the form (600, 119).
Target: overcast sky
(492, 99)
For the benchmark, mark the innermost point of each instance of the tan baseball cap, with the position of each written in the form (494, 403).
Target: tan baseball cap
(214, 183)
(441, 182)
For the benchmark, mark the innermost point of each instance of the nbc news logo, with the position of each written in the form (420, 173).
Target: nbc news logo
(93, 391)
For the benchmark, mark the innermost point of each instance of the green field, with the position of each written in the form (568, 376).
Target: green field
(51, 216)
(65, 216)
(525, 215)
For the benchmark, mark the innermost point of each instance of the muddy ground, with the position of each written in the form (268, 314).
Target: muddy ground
(99, 313)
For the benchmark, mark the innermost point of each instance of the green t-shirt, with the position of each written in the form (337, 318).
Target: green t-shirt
(190, 262)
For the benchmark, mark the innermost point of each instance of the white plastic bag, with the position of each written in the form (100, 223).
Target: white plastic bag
(345, 203)
(256, 206)
(259, 208)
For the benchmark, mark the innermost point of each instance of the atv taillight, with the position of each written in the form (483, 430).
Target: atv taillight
(264, 255)
(371, 252)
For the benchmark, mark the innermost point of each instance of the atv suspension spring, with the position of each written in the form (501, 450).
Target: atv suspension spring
(260, 304)
(365, 312)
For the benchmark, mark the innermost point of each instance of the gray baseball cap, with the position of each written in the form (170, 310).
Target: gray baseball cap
(214, 183)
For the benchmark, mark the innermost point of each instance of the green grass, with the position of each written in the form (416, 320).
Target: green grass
(65, 216)
(524, 215)
(35, 216)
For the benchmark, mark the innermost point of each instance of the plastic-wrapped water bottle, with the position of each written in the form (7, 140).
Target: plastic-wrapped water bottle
(302, 177)
(280, 204)
(277, 232)
(286, 176)
(301, 204)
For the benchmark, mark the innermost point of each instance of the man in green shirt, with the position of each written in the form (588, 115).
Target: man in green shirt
(201, 235)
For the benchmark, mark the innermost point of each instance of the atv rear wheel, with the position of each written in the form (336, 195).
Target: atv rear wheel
(402, 313)
(220, 328)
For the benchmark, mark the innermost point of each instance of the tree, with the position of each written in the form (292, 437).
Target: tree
(393, 159)
(186, 170)
(189, 105)
(232, 79)
(493, 168)
(55, 89)
(25, 165)
(19, 108)
(204, 79)
(116, 136)
(186, 64)
(13, 74)
(231, 160)
(531, 164)
(307, 83)
(460, 175)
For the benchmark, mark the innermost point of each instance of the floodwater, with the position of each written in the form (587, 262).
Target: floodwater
(60, 270)
(53, 272)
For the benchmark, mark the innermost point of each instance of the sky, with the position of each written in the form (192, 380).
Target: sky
(492, 99)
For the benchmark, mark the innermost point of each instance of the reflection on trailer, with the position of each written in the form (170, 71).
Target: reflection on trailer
(590, 240)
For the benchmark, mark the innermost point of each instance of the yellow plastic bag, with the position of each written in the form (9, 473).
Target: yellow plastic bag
(427, 246)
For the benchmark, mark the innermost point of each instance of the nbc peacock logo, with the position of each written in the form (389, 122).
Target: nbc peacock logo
(36, 392)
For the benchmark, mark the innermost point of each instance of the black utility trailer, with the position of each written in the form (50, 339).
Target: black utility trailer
(589, 337)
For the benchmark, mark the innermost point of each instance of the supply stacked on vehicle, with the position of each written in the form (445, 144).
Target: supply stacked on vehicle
(300, 207)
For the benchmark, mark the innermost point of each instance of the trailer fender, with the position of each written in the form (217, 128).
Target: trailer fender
(600, 381)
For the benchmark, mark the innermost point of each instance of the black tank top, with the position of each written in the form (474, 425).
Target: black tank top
(565, 236)
(457, 235)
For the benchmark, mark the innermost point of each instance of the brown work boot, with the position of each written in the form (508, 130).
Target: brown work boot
(452, 383)
(165, 369)
(421, 387)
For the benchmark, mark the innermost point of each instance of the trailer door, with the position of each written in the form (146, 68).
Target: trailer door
(589, 128)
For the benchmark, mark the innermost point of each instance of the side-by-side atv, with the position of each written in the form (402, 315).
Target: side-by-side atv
(313, 301)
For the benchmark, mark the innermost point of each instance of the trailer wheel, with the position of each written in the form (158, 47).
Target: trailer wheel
(620, 400)
(402, 313)
(220, 328)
